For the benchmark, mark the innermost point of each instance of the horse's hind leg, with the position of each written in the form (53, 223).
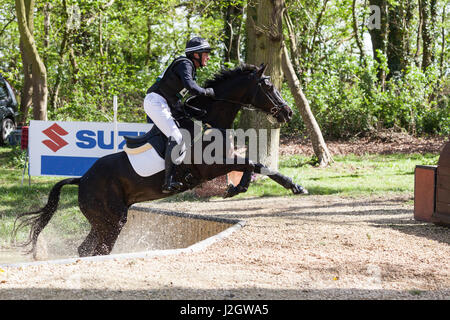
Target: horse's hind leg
(102, 202)
(89, 244)
(109, 231)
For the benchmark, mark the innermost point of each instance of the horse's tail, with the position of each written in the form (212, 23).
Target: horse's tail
(40, 218)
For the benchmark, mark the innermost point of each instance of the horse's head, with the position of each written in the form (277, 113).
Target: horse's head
(245, 85)
(267, 98)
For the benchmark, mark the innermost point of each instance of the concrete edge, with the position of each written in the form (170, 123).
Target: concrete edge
(196, 247)
(184, 215)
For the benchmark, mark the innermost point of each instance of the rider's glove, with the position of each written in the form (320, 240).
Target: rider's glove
(209, 92)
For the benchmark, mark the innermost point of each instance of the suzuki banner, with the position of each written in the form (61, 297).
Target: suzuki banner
(69, 149)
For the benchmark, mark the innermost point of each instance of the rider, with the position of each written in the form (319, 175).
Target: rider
(164, 97)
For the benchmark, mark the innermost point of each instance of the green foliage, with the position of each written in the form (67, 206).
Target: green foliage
(119, 48)
(347, 101)
(343, 88)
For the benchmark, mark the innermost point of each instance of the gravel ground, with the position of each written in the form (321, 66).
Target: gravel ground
(308, 247)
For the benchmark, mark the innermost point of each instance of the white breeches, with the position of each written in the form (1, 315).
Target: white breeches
(158, 110)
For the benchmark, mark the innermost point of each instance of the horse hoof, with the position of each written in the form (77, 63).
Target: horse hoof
(174, 187)
(231, 191)
(297, 189)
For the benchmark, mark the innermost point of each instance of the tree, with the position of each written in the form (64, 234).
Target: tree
(396, 47)
(428, 13)
(319, 146)
(30, 56)
(290, 71)
(233, 24)
(378, 36)
(264, 45)
(98, 48)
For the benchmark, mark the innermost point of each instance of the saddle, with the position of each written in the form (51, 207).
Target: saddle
(152, 139)
(155, 138)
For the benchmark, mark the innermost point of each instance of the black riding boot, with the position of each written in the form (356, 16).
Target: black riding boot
(170, 185)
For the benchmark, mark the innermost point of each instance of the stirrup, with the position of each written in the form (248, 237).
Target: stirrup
(172, 187)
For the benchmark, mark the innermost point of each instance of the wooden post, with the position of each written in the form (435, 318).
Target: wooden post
(442, 212)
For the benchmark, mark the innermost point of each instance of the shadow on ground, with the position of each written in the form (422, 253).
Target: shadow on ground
(180, 293)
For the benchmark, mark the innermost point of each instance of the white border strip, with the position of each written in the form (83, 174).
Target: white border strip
(196, 247)
(199, 47)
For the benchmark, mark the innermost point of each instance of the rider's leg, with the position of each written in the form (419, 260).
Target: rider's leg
(157, 109)
(170, 185)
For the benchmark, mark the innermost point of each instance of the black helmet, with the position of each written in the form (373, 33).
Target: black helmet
(197, 44)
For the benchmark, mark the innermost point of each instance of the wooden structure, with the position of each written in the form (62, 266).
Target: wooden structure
(432, 190)
(442, 213)
(424, 192)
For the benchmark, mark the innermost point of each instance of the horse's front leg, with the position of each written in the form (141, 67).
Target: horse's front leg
(242, 186)
(236, 163)
(281, 179)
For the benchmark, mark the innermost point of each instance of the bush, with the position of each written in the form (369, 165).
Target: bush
(347, 100)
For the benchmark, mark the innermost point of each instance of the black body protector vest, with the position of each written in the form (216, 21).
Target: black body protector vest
(170, 86)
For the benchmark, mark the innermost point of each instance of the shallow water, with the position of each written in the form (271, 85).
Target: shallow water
(144, 231)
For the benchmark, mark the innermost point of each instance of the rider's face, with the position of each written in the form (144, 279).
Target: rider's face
(204, 57)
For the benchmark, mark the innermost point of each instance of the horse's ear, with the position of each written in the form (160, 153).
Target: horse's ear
(262, 68)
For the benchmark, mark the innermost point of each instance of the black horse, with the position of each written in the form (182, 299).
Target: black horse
(111, 186)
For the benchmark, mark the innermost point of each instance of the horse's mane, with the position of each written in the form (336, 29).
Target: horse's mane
(227, 74)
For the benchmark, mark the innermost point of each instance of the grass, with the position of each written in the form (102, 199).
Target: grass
(348, 176)
(16, 198)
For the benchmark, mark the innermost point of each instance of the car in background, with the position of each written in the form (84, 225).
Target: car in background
(8, 110)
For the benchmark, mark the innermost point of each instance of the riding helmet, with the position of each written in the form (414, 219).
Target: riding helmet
(197, 44)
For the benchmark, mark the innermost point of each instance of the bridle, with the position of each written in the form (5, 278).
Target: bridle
(277, 107)
(274, 111)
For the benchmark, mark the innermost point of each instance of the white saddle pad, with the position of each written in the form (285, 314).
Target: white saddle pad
(146, 163)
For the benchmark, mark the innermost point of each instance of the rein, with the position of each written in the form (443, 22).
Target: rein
(249, 106)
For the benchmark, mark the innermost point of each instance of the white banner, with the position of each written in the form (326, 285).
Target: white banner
(69, 149)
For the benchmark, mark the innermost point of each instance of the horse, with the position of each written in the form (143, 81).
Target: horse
(108, 189)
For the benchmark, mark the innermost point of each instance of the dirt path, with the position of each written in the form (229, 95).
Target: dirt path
(311, 247)
(382, 142)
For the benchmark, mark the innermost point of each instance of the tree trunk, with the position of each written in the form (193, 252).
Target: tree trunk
(443, 43)
(293, 47)
(233, 22)
(428, 9)
(314, 42)
(419, 33)
(396, 48)
(409, 15)
(74, 64)
(26, 95)
(47, 10)
(359, 43)
(149, 56)
(39, 72)
(378, 37)
(250, 32)
(319, 146)
(264, 35)
(62, 50)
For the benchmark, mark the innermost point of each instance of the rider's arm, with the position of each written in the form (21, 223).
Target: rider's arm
(184, 71)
